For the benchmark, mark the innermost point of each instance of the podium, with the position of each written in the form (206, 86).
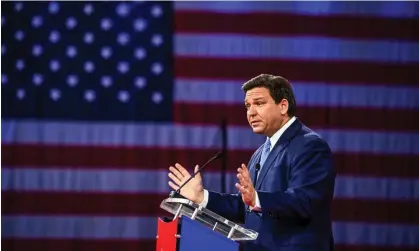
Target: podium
(195, 228)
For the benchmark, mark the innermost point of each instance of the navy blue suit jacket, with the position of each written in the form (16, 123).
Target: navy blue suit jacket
(295, 189)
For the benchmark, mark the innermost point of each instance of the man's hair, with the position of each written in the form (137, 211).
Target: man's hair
(279, 88)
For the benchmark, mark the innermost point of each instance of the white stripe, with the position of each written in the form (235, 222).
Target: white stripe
(376, 188)
(202, 137)
(306, 94)
(401, 9)
(146, 228)
(148, 181)
(98, 180)
(117, 134)
(375, 234)
(301, 48)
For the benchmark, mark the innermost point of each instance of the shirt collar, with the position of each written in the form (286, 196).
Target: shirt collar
(278, 134)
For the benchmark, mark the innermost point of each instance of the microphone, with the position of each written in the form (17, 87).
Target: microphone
(176, 193)
(257, 167)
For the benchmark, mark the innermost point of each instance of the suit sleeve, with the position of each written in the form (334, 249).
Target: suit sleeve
(230, 206)
(311, 182)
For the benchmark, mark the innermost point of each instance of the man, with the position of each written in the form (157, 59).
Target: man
(290, 203)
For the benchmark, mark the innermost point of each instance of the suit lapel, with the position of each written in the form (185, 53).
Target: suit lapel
(277, 149)
(253, 163)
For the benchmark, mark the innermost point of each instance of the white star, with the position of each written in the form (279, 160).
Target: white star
(106, 23)
(106, 52)
(54, 65)
(89, 95)
(37, 79)
(37, 50)
(156, 68)
(4, 78)
(122, 9)
(123, 38)
(157, 97)
(157, 40)
(140, 82)
(18, 6)
(89, 66)
(54, 36)
(156, 11)
(72, 80)
(53, 7)
(71, 51)
(88, 9)
(71, 23)
(55, 94)
(37, 21)
(106, 81)
(88, 38)
(140, 53)
(20, 64)
(19, 35)
(140, 24)
(123, 67)
(123, 96)
(20, 93)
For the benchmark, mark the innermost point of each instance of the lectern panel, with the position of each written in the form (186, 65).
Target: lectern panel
(183, 207)
(195, 237)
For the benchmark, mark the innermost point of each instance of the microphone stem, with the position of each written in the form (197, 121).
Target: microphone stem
(195, 173)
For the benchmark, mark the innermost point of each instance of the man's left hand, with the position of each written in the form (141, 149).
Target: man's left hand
(245, 186)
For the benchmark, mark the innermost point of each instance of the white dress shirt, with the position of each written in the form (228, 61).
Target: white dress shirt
(273, 139)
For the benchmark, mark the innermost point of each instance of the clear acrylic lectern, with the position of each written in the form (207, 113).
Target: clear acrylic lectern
(197, 228)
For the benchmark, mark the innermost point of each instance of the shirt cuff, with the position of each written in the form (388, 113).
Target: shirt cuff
(257, 207)
(204, 202)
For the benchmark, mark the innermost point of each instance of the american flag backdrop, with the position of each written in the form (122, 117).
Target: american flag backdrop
(100, 98)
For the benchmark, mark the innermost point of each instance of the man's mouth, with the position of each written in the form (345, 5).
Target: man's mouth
(255, 123)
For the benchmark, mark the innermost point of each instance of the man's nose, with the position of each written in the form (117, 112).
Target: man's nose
(251, 111)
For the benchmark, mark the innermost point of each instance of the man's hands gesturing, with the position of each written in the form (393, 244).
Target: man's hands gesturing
(245, 186)
(193, 190)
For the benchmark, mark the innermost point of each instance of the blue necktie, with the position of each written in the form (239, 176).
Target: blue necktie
(265, 152)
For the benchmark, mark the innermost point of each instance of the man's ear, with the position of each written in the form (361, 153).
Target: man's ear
(283, 105)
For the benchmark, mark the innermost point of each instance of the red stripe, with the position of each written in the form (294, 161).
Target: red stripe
(105, 204)
(298, 70)
(389, 211)
(161, 158)
(315, 117)
(43, 244)
(21, 244)
(356, 27)
(77, 203)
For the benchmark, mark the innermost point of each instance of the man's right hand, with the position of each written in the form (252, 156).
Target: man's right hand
(193, 190)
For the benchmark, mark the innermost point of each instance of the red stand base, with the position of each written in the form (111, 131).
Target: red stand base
(166, 235)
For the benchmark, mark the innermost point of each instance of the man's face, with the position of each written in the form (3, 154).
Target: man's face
(264, 116)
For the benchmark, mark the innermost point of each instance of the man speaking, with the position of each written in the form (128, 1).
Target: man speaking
(285, 192)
